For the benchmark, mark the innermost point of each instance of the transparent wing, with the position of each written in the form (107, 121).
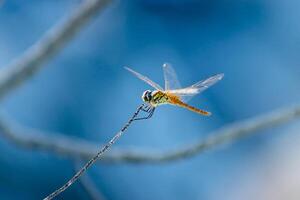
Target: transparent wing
(187, 93)
(171, 80)
(145, 79)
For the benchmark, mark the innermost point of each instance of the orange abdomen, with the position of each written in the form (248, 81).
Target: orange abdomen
(176, 101)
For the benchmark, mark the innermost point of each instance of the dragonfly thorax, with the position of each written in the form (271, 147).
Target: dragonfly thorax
(155, 98)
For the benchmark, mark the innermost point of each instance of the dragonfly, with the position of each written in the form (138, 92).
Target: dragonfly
(173, 93)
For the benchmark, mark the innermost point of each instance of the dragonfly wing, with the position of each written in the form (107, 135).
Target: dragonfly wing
(171, 80)
(145, 79)
(187, 93)
(202, 85)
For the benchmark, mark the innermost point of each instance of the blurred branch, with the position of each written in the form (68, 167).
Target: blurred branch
(31, 60)
(77, 148)
(87, 183)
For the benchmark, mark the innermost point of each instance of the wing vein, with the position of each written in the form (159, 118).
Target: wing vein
(145, 79)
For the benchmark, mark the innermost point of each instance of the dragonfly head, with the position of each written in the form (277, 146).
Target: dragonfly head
(147, 96)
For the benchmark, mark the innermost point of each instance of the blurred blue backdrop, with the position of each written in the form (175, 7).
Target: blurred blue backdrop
(85, 91)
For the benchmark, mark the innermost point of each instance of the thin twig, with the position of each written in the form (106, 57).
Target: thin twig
(31, 60)
(87, 183)
(95, 158)
(77, 148)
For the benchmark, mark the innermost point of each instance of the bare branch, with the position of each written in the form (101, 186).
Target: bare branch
(31, 61)
(105, 148)
(87, 183)
(77, 148)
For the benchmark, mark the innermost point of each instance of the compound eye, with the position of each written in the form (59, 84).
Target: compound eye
(149, 95)
(145, 98)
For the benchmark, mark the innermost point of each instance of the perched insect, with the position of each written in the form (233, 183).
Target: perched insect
(173, 93)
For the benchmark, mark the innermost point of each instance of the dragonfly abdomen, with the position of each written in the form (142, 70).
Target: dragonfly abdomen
(175, 100)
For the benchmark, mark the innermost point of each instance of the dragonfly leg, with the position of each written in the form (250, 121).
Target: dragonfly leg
(149, 110)
(146, 108)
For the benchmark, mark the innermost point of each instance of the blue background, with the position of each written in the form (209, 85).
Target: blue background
(85, 91)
